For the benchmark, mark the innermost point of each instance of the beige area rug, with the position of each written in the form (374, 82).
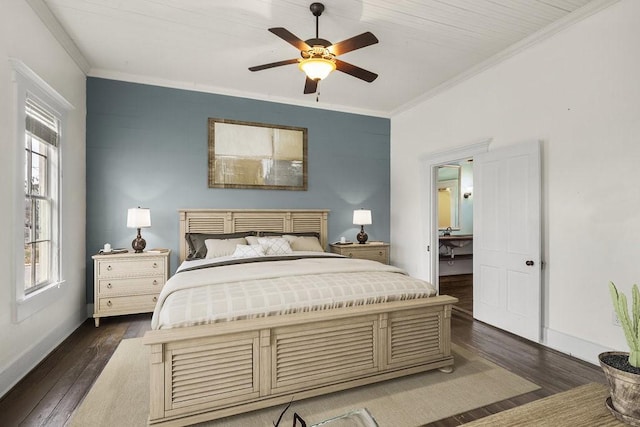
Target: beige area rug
(120, 395)
(583, 406)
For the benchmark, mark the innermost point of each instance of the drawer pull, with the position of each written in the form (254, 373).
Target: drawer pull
(155, 265)
(350, 255)
(155, 299)
(109, 303)
(109, 268)
(155, 282)
(380, 253)
(109, 285)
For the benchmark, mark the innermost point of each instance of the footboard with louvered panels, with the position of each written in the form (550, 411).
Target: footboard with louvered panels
(205, 372)
(211, 371)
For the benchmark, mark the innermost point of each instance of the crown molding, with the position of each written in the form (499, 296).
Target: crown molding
(60, 34)
(543, 34)
(196, 87)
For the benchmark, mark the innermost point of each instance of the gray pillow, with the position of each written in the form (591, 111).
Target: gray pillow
(197, 247)
(280, 233)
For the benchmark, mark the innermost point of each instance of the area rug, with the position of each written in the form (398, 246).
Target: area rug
(582, 406)
(120, 395)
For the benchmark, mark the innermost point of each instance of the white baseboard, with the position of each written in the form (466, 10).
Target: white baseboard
(22, 365)
(573, 346)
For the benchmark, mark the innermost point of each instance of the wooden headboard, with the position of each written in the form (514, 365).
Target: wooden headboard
(232, 220)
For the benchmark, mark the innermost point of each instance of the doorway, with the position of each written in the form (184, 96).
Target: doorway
(441, 268)
(506, 277)
(454, 185)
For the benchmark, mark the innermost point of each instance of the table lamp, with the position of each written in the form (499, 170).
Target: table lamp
(362, 217)
(138, 218)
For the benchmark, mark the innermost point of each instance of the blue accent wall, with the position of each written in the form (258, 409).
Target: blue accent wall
(147, 146)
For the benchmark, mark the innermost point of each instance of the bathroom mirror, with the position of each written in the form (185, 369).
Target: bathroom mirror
(448, 178)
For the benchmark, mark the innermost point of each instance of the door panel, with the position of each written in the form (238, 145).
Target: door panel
(516, 293)
(489, 293)
(507, 230)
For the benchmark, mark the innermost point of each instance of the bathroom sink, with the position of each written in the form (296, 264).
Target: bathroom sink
(456, 241)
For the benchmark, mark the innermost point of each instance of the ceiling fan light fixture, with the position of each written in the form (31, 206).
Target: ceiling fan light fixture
(317, 68)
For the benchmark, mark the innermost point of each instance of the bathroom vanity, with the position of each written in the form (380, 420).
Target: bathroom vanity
(456, 254)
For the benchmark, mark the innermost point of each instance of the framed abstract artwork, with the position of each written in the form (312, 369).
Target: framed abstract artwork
(257, 155)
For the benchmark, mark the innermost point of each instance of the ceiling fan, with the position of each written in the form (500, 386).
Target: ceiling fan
(319, 55)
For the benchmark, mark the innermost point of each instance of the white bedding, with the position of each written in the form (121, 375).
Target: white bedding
(241, 291)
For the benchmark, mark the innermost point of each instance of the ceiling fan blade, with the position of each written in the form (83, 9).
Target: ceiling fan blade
(273, 64)
(310, 86)
(289, 37)
(356, 42)
(354, 71)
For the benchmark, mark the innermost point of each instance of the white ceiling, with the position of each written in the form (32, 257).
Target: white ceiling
(208, 45)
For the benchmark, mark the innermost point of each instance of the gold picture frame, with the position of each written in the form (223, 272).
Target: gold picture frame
(257, 155)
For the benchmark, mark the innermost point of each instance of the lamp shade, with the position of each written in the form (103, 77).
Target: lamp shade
(317, 68)
(362, 217)
(138, 218)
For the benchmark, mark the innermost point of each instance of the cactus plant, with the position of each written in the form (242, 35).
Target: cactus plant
(630, 322)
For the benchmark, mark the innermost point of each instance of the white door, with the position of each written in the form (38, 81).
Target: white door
(506, 240)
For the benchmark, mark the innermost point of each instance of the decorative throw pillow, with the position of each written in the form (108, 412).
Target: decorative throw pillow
(197, 247)
(222, 247)
(304, 243)
(275, 246)
(247, 251)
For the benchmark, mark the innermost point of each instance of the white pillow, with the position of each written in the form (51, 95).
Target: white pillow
(304, 243)
(246, 251)
(222, 247)
(275, 246)
(253, 240)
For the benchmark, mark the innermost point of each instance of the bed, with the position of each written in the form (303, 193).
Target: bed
(207, 370)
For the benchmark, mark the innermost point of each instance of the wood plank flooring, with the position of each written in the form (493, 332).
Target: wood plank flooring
(49, 394)
(461, 287)
(551, 370)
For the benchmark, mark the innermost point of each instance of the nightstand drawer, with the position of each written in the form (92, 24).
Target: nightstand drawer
(140, 285)
(130, 267)
(128, 304)
(380, 255)
(371, 251)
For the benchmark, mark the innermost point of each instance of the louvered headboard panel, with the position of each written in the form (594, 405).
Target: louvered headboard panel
(230, 221)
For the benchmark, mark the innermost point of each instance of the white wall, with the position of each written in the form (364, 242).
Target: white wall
(24, 37)
(578, 92)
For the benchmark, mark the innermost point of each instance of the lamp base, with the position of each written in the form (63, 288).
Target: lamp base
(138, 244)
(362, 236)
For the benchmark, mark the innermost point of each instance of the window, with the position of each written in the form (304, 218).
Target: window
(41, 196)
(40, 117)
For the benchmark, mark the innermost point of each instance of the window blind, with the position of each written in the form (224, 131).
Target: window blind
(41, 123)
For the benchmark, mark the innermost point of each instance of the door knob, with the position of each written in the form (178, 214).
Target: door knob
(529, 263)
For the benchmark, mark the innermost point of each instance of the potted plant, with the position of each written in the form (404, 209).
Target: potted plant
(623, 369)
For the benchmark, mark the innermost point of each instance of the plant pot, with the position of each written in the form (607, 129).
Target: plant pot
(624, 387)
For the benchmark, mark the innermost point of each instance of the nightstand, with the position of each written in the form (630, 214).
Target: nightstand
(127, 283)
(373, 251)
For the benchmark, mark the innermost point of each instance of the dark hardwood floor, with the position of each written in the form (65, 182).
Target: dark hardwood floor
(461, 287)
(49, 394)
(553, 371)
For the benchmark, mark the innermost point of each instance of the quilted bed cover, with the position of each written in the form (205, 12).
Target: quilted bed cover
(221, 290)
